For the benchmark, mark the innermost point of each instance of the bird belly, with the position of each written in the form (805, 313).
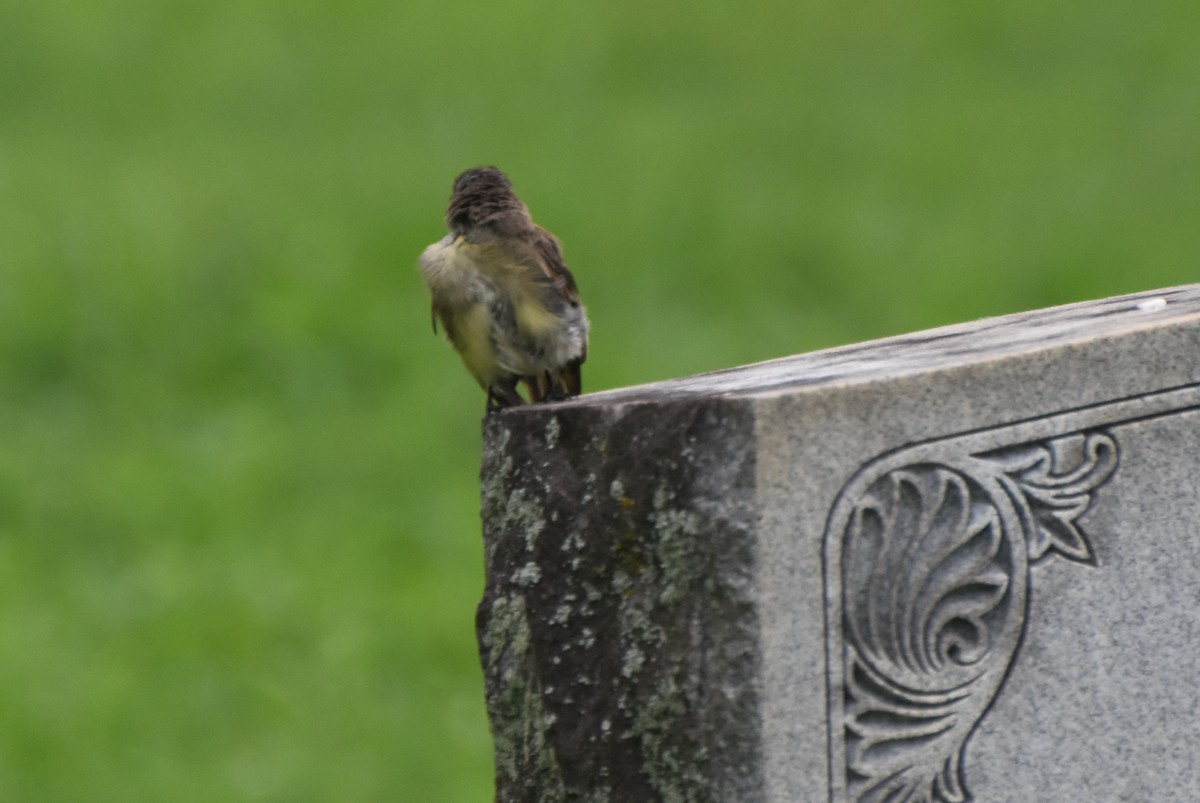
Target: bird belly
(471, 332)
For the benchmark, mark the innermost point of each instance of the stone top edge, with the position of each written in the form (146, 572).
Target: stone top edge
(926, 350)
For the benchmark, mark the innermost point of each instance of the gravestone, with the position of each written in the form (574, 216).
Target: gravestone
(957, 565)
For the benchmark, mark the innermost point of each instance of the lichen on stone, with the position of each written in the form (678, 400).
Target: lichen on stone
(519, 720)
(672, 774)
(553, 428)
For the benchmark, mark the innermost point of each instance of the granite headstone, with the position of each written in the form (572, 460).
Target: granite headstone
(957, 565)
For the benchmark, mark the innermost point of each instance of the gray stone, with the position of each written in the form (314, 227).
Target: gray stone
(957, 565)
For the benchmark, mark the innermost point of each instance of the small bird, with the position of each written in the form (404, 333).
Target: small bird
(504, 295)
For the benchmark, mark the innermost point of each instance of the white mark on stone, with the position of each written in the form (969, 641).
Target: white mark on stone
(634, 658)
(1152, 304)
(527, 575)
(572, 541)
(621, 582)
(526, 514)
(552, 431)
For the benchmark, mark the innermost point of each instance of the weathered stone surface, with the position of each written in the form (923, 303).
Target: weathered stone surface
(956, 565)
(618, 628)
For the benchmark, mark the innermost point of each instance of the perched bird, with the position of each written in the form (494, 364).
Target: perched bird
(504, 296)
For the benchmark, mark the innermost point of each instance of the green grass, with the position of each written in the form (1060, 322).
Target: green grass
(239, 538)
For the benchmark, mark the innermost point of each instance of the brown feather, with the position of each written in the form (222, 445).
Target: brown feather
(547, 247)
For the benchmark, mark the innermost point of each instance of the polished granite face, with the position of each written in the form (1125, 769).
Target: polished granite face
(955, 565)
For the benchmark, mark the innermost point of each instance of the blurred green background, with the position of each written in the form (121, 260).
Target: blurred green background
(239, 535)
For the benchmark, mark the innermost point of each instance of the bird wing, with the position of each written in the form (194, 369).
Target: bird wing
(556, 269)
(550, 256)
(550, 259)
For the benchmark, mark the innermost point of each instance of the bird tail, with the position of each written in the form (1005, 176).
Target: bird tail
(555, 387)
(572, 378)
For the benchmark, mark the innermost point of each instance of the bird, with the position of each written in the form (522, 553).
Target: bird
(504, 296)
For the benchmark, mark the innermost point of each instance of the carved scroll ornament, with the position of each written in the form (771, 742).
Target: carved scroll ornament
(928, 561)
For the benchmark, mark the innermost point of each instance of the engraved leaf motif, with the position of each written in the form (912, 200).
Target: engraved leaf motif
(1050, 497)
(935, 595)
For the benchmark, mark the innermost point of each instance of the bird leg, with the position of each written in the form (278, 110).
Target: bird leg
(503, 393)
(555, 389)
(538, 386)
